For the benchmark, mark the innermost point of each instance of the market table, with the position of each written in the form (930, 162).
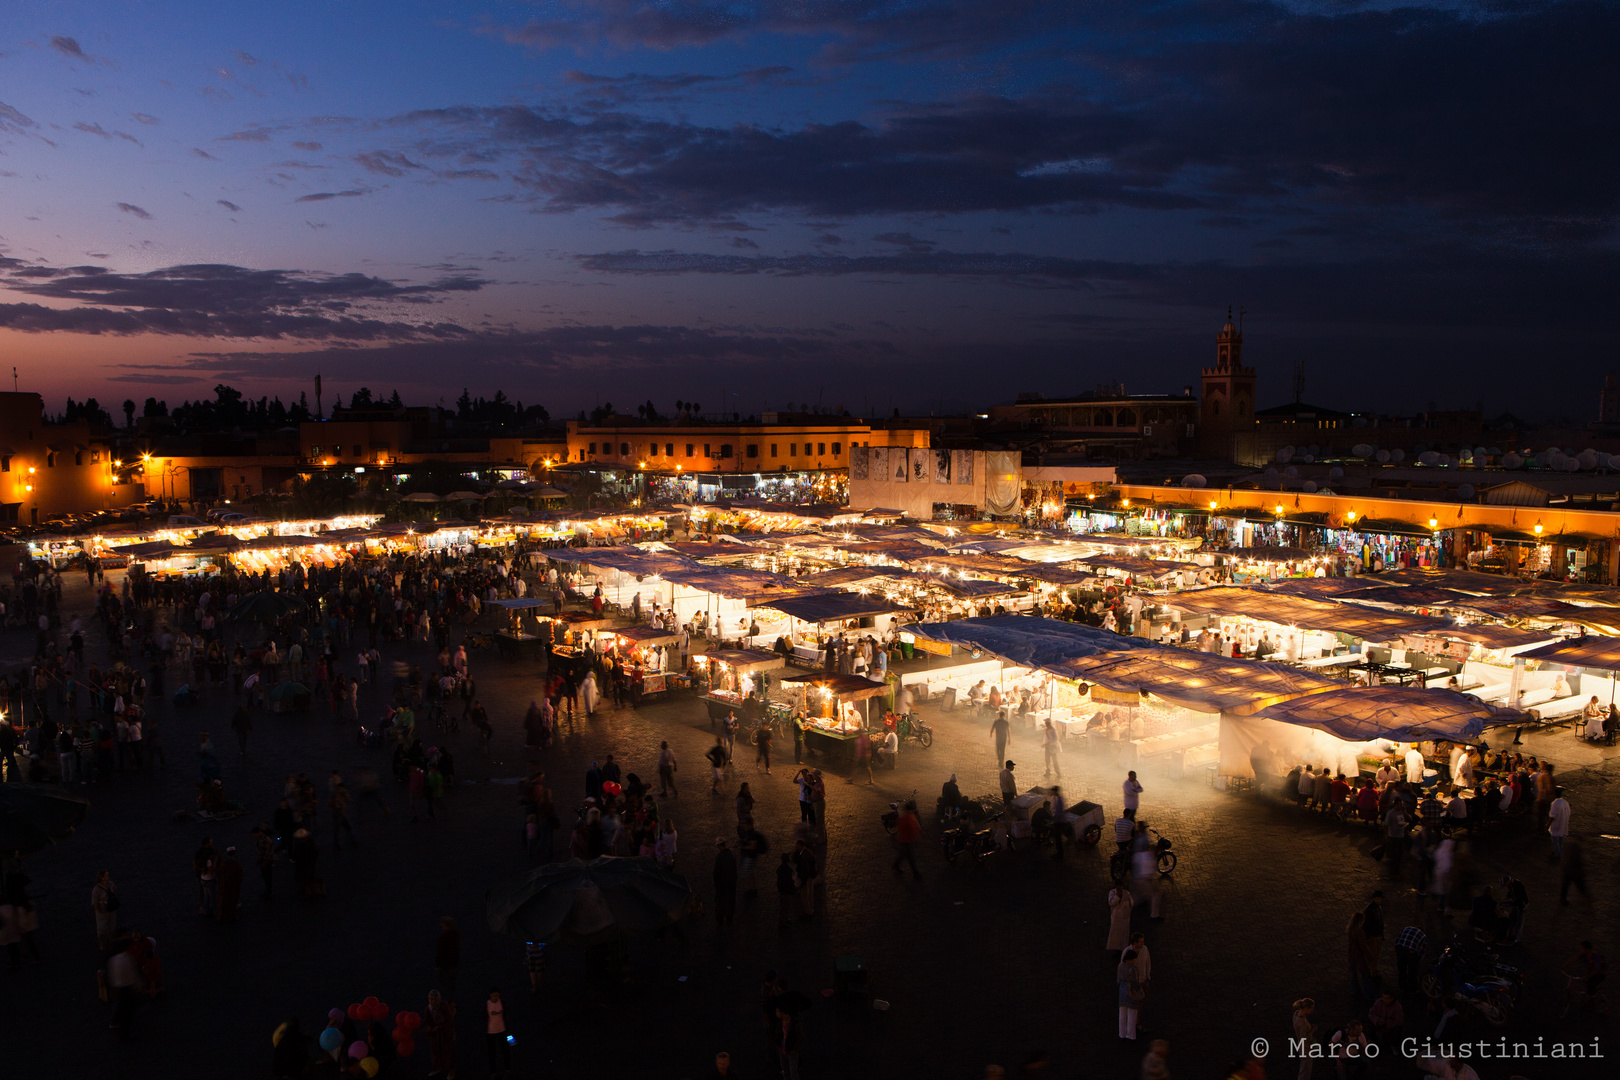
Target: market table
(513, 645)
(834, 745)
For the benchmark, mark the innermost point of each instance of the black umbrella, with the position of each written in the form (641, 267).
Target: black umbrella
(33, 815)
(585, 898)
(264, 607)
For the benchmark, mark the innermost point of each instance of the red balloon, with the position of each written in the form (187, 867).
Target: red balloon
(399, 1035)
(354, 1011)
(407, 1048)
(379, 1012)
(370, 1002)
(411, 1021)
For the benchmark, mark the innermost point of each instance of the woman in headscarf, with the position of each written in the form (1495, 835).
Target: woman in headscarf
(439, 1024)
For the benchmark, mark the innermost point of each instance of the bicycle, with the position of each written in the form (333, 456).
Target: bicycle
(1119, 863)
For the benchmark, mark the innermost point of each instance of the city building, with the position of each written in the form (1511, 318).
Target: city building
(51, 469)
(1106, 424)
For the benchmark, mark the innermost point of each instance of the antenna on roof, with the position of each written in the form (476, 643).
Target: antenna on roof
(1299, 381)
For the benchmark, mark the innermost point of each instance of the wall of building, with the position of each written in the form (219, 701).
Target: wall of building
(955, 477)
(782, 447)
(51, 469)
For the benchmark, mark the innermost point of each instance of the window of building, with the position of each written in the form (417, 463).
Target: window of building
(582, 453)
(5, 463)
(753, 449)
(669, 449)
(838, 448)
(359, 451)
(725, 450)
(624, 449)
(773, 449)
(50, 459)
(707, 451)
(821, 449)
(793, 449)
(688, 449)
(315, 451)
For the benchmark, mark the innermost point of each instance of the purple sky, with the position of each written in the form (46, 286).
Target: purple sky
(924, 205)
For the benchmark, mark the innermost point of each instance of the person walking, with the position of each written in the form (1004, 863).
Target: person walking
(496, 1039)
(1304, 1035)
(1356, 942)
(1394, 837)
(447, 957)
(1558, 822)
(1131, 994)
(203, 864)
(1120, 903)
(807, 803)
(1573, 872)
(725, 883)
(104, 901)
(1053, 751)
(798, 738)
(762, 745)
(717, 758)
(666, 770)
(124, 982)
(1373, 927)
(1000, 728)
(1009, 785)
(439, 1025)
(907, 831)
(1132, 789)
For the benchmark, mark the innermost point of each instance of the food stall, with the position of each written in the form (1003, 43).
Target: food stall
(836, 709)
(570, 630)
(513, 639)
(735, 676)
(651, 658)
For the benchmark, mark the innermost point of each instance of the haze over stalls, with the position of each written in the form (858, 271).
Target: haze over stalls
(923, 205)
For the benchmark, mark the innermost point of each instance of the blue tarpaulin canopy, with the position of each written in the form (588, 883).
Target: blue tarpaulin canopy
(1029, 641)
(1602, 653)
(1397, 713)
(832, 607)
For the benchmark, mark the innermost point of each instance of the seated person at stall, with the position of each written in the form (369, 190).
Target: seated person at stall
(1265, 648)
(1387, 773)
(888, 751)
(977, 694)
(1561, 687)
(1456, 805)
(1596, 719)
(1339, 795)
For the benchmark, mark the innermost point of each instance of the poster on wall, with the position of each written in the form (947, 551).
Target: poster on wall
(880, 463)
(964, 468)
(857, 462)
(919, 466)
(899, 464)
(942, 466)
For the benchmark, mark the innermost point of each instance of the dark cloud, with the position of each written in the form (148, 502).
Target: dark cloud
(225, 301)
(322, 196)
(10, 116)
(70, 48)
(1467, 119)
(92, 129)
(205, 155)
(144, 118)
(386, 163)
(253, 133)
(227, 204)
(131, 208)
(304, 144)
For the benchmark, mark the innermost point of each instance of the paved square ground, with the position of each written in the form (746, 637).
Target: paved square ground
(979, 965)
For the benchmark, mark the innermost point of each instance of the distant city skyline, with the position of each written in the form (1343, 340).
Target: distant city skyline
(862, 204)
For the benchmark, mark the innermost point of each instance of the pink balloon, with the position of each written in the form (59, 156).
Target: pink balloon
(358, 1050)
(335, 1014)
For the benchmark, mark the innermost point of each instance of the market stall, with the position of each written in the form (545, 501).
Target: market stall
(651, 659)
(735, 677)
(517, 637)
(836, 709)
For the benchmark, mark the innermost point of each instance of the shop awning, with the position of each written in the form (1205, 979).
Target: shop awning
(1602, 653)
(849, 575)
(1468, 581)
(522, 604)
(832, 607)
(744, 660)
(1319, 587)
(152, 549)
(646, 635)
(1494, 637)
(1412, 596)
(1195, 680)
(1127, 564)
(1030, 642)
(846, 687)
(976, 588)
(1271, 553)
(1397, 713)
(1390, 527)
(1363, 622)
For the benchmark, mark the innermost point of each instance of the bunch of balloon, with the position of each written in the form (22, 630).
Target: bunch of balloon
(405, 1025)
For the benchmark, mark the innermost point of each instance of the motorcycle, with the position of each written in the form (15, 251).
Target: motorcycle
(967, 839)
(891, 817)
(1483, 984)
(1119, 863)
(915, 727)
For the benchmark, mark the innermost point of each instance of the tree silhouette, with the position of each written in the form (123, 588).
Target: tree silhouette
(129, 414)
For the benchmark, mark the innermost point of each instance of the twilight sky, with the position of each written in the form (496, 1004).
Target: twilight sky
(931, 204)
